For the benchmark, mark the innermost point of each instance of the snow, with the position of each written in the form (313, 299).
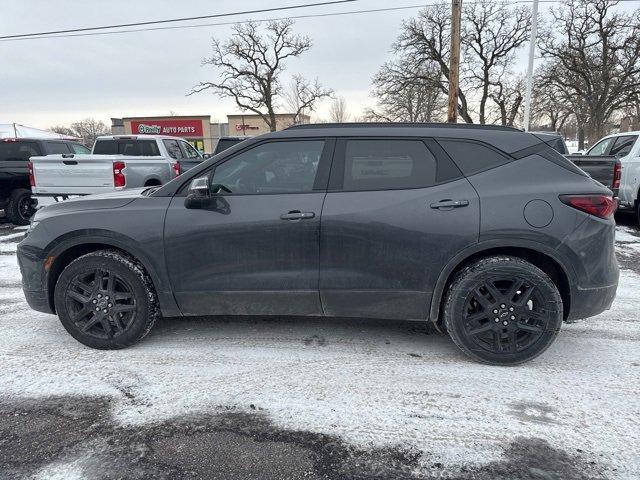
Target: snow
(372, 383)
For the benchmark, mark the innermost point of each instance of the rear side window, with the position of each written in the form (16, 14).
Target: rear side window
(388, 165)
(473, 157)
(623, 145)
(130, 147)
(56, 148)
(17, 151)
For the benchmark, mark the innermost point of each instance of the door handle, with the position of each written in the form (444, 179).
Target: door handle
(449, 204)
(297, 215)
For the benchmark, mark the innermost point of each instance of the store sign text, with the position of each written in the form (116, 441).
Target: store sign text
(180, 128)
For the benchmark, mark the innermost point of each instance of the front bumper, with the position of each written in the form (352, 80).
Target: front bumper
(34, 279)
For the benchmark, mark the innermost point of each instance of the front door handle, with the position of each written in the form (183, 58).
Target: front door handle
(297, 215)
(449, 204)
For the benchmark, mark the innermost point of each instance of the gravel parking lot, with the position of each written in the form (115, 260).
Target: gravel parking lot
(245, 398)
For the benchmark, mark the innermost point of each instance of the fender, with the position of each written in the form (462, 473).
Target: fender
(155, 268)
(461, 257)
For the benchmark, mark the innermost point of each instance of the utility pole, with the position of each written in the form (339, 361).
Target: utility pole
(454, 61)
(532, 51)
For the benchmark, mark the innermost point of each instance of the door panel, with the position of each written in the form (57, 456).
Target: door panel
(240, 257)
(250, 243)
(381, 251)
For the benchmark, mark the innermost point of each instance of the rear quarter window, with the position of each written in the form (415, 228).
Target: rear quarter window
(473, 157)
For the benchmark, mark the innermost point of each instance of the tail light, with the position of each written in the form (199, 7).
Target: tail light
(601, 206)
(617, 175)
(119, 180)
(32, 178)
(176, 168)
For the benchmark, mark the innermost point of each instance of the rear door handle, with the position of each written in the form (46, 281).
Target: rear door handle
(297, 215)
(449, 204)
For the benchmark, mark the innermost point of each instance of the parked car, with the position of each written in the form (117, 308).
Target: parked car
(227, 142)
(117, 162)
(15, 191)
(485, 231)
(623, 149)
(554, 140)
(605, 170)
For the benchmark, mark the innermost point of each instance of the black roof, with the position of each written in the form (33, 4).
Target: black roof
(464, 126)
(507, 139)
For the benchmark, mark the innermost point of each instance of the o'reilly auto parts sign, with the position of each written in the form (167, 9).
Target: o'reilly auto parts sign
(177, 127)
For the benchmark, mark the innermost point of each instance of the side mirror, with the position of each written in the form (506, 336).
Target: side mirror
(198, 193)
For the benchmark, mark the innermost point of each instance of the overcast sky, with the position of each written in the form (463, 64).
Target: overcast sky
(59, 81)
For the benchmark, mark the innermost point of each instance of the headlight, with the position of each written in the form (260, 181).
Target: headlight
(33, 224)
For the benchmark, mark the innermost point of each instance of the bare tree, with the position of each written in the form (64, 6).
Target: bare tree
(62, 130)
(597, 54)
(549, 104)
(338, 110)
(492, 34)
(89, 129)
(86, 130)
(405, 93)
(508, 97)
(251, 64)
(302, 96)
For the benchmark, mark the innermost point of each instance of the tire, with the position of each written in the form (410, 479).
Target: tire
(638, 212)
(20, 207)
(502, 310)
(106, 300)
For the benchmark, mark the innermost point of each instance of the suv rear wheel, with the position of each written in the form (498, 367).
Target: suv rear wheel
(503, 310)
(20, 207)
(106, 300)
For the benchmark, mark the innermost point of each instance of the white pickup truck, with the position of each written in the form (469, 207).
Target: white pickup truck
(116, 162)
(626, 148)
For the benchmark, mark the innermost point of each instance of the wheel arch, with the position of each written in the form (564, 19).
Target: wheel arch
(152, 182)
(540, 256)
(76, 244)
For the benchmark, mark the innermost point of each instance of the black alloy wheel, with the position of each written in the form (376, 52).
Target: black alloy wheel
(106, 300)
(505, 314)
(100, 303)
(503, 310)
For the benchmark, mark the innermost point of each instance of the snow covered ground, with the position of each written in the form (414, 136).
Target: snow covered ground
(316, 398)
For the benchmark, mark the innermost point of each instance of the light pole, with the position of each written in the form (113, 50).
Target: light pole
(532, 52)
(454, 61)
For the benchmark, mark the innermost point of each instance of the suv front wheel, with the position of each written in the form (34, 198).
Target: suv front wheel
(106, 300)
(503, 310)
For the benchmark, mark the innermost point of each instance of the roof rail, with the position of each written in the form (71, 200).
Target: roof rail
(464, 126)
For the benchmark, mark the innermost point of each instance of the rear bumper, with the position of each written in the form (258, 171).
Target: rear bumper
(589, 302)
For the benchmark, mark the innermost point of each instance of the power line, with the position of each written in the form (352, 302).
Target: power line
(218, 24)
(291, 17)
(173, 20)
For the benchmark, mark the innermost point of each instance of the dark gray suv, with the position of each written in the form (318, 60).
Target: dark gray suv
(485, 231)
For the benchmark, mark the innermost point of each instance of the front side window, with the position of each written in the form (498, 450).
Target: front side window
(80, 149)
(173, 149)
(189, 151)
(274, 167)
(601, 147)
(388, 165)
(623, 145)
